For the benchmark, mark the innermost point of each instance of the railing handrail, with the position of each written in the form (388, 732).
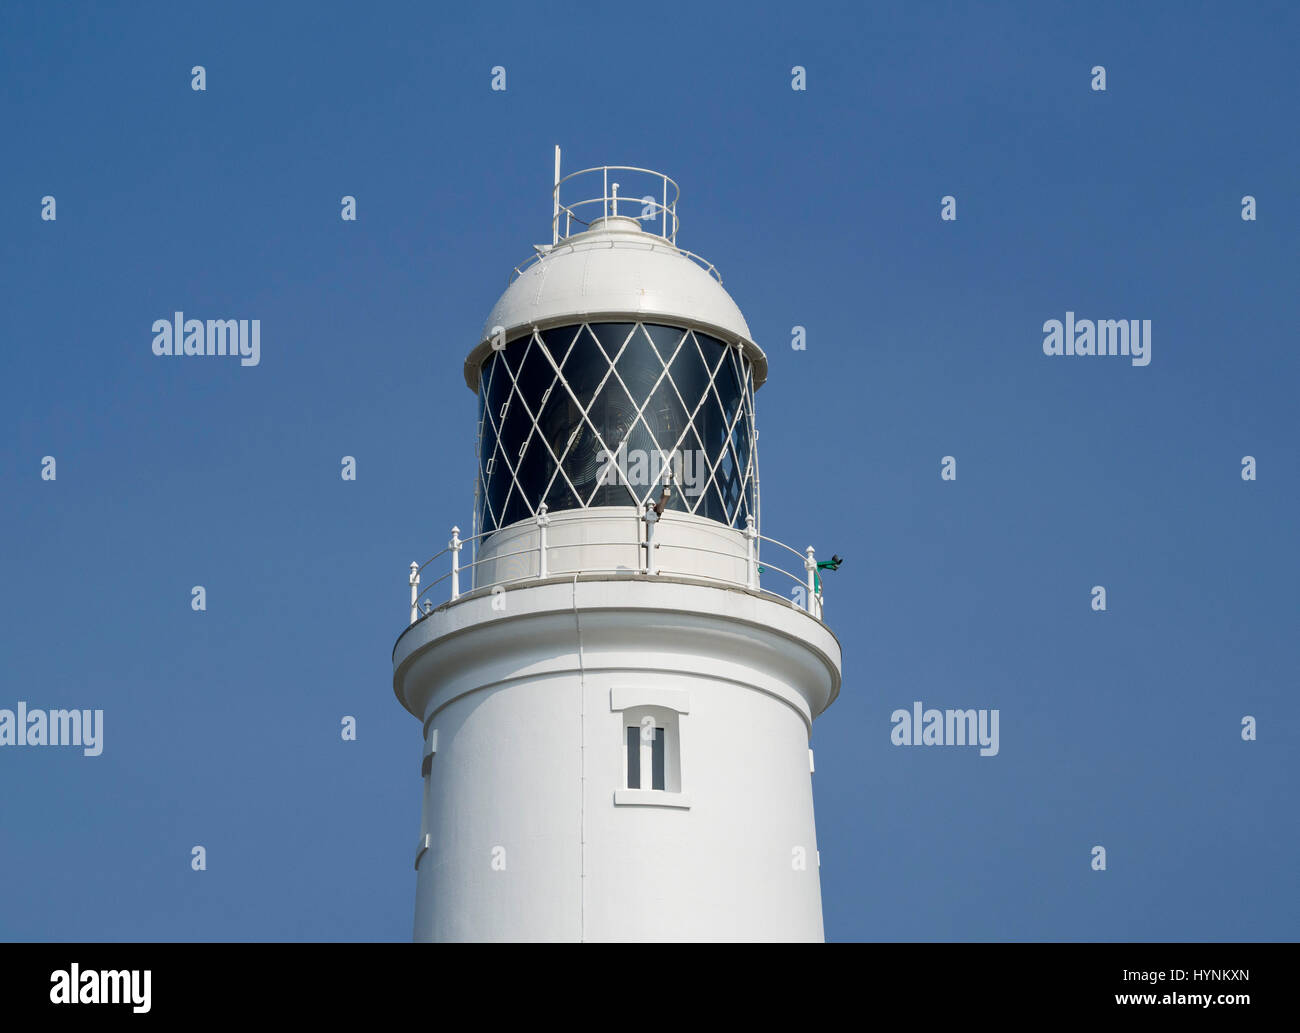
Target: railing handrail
(622, 168)
(610, 202)
(765, 538)
(568, 574)
(439, 555)
(699, 260)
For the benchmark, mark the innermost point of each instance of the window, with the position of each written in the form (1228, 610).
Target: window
(553, 401)
(645, 755)
(651, 746)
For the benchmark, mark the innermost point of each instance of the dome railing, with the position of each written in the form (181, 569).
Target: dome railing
(661, 208)
(650, 198)
(645, 564)
(544, 252)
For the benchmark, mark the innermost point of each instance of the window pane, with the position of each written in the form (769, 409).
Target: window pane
(634, 757)
(657, 761)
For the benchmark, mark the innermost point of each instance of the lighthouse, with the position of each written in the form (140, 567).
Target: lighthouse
(615, 670)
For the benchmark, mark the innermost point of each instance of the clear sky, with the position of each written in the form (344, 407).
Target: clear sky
(821, 208)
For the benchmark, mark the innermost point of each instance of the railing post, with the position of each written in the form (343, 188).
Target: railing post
(454, 546)
(651, 518)
(415, 590)
(543, 522)
(810, 565)
(555, 211)
(674, 236)
(751, 542)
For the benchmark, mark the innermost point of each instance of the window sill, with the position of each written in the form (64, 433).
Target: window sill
(651, 798)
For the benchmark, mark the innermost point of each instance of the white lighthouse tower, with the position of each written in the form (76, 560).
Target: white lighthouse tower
(616, 672)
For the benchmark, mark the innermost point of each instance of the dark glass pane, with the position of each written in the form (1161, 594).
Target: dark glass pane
(612, 336)
(613, 414)
(585, 367)
(514, 426)
(678, 500)
(558, 417)
(694, 475)
(634, 757)
(497, 379)
(561, 497)
(711, 504)
(664, 416)
(639, 367)
(689, 374)
(515, 509)
(710, 421)
(667, 339)
(515, 429)
(711, 349)
(492, 395)
(535, 469)
(730, 485)
(496, 488)
(710, 427)
(740, 436)
(582, 464)
(558, 341)
(641, 463)
(496, 482)
(534, 376)
(728, 383)
(486, 442)
(657, 760)
(726, 469)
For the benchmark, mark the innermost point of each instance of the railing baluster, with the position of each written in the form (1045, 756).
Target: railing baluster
(751, 540)
(543, 522)
(651, 518)
(454, 546)
(415, 590)
(810, 565)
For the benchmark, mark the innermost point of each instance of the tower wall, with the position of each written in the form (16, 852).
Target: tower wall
(533, 832)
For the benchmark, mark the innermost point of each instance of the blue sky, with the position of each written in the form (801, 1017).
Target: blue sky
(820, 208)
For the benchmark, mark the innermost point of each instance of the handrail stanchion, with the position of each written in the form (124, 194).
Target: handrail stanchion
(454, 545)
(415, 590)
(651, 518)
(810, 565)
(555, 211)
(674, 236)
(543, 522)
(751, 540)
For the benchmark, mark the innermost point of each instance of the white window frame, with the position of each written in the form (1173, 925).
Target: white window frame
(667, 707)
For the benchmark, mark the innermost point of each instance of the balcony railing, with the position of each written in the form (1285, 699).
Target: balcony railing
(658, 206)
(448, 587)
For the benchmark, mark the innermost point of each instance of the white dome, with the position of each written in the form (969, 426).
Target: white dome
(615, 271)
